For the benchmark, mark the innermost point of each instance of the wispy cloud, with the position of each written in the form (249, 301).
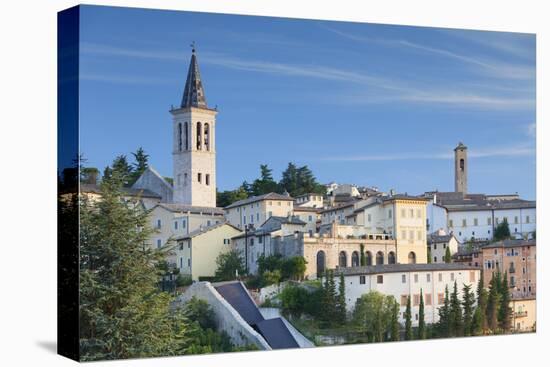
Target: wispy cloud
(492, 67)
(514, 151)
(121, 79)
(381, 89)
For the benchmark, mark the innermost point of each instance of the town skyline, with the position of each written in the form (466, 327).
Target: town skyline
(113, 71)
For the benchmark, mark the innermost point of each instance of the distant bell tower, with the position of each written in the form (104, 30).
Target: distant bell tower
(194, 144)
(461, 168)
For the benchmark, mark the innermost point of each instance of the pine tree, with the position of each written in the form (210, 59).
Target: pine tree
(444, 324)
(140, 165)
(265, 184)
(505, 312)
(493, 304)
(421, 322)
(394, 328)
(122, 169)
(482, 298)
(289, 180)
(457, 326)
(448, 255)
(408, 320)
(429, 259)
(468, 302)
(341, 301)
(333, 296)
(477, 322)
(502, 231)
(123, 314)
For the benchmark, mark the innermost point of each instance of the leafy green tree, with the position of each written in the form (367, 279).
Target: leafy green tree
(265, 184)
(230, 265)
(468, 302)
(89, 175)
(299, 180)
(444, 324)
(123, 314)
(448, 257)
(457, 325)
(293, 300)
(493, 304)
(408, 320)
(482, 299)
(341, 300)
(421, 322)
(502, 231)
(140, 165)
(228, 197)
(293, 268)
(394, 330)
(505, 312)
(289, 179)
(372, 315)
(363, 259)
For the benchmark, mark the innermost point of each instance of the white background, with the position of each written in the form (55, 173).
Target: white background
(28, 181)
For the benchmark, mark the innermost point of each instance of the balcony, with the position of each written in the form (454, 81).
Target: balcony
(520, 314)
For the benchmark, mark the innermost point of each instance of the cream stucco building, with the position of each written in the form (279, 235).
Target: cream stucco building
(257, 209)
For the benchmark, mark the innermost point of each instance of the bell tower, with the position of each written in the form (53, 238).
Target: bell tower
(194, 144)
(461, 169)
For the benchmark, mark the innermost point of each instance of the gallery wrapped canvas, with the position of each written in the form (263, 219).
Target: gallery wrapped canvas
(236, 183)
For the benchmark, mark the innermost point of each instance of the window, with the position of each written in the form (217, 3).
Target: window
(435, 259)
(450, 222)
(390, 214)
(188, 263)
(199, 136)
(260, 239)
(411, 213)
(251, 218)
(244, 219)
(404, 300)
(440, 298)
(379, 258)
(475, 222)
(428, 278)
(183, 223)
(440, 277)
(403, 278)
(452, 276)
(428, 299)
(361, 279)
(159, 243)
(404, 235)
(403, 213)
(391, 257)
(419, 213)
(526, 219)
(416, 278)
(310, 218)
(180, 143)
(489, 221)
(181, 262)
(207, 179)
(252, 241)
(159, 224)
(208, 223)
(186, 132)
(380, 279)
(176, 225)
(207, 136)
(463, 222)
(368, 217)
(258, 217)
(416, 299)
(342, 259)
(516, 219)
(199, 177)
(435, 246)
(412, 258)
(269, 214)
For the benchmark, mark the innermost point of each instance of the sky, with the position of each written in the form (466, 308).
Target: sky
(369, 104)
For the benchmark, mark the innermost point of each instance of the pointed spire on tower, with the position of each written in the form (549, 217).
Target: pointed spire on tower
(193, 95)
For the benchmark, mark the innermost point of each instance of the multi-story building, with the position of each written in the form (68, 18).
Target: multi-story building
(195, 253)
(257, 209)
(516, 258)
(311, 200)
(311, 216)
(438, 243)
(409, 280)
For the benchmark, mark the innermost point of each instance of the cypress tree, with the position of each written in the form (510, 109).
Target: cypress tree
(363, 260)
(505, 312)
(468, 302)
(457, 327)
(421, 322)
(448, 255)
(429, 259)
(341, 302)
(482, 298)
(408, 320)
(477, 322)
(444, 325)
(493, 304)
(394, 328)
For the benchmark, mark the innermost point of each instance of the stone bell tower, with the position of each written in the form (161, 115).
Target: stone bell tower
(461, 169)
(194, 144)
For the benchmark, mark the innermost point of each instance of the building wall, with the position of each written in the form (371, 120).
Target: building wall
(523, 260)
(410, 230)
(258, 212)
(522, 222)
(151, 180)
(204, 250)
(439, 249)
(310, 201)
(436, 218)
(524, 314)
(256, 247)
(227, 318)
(310, 218)
(393, 285)
(187, 189)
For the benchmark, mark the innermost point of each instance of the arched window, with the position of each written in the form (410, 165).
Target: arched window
(462, 164)
(207, 136)
(321, 266)
(355, 258)
(412, 258)
(391, 257)
(199, 136)
(179, 137)
(186, 132)
(379, 258)
(342, 259)
(368, 258)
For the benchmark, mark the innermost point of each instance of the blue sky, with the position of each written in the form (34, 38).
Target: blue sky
(359, 103)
